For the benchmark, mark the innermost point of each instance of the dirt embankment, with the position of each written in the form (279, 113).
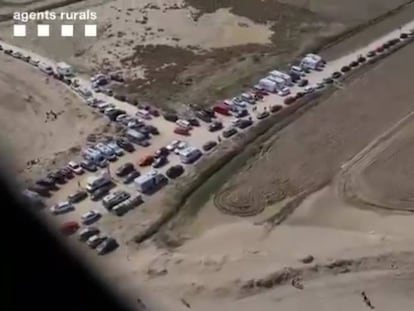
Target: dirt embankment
(36, 116)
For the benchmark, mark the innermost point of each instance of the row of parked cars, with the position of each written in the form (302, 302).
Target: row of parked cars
(92, 236)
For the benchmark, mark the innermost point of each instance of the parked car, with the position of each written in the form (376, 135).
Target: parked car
(125, 144)
(160, 162)
(8, 51)
(354, 64)
(146, 160)
(131, 177)
(88, 232)
(371, 54)
(171, 117)
(109, 245)
(69, 227)
(26, 58)
(78, 196)
(115, 198)
(228, 132)
(244, 123)
(115, 148)
(46, 182)
(319, 85)
(182, 131)
(175, 171)
(262, 115)
(57, 177)
(203, 116)
(193, 121)
(125, 169)
(345, 69)
(327, 81)
(17, 54)
(309, 89)
(100, 193)
(89, 166)
(174, 144)
(209, 145)
(153, 129)
(336, 75)
(362, 59)
(144, 143)
(404, 35)
(75, 167)
(162, 152)
(40, 190)
(284, 92)
(62, 208)
(303, 82)
(67, 172)
(90, 217)
(95, 240)
(275, 108)
(289, 100)
(215, 126)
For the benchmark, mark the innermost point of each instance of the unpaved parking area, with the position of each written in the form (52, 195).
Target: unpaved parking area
(35, 139)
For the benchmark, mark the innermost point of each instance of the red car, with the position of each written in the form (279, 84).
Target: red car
(145, 161)
(69, 227)
(182, 131)
(222, 108)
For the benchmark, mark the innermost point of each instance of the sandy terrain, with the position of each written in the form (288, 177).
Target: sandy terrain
(196, 51)
(32, 137)
(329, 135)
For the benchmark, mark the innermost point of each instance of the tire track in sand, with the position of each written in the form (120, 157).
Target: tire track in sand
(349, 182)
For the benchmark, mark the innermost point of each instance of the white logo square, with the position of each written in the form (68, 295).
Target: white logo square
(43, 30)
(19, 30)
(90, 30)
(66, 30)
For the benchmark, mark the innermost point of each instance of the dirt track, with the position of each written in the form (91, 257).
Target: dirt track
(380, 175)
(311, 150)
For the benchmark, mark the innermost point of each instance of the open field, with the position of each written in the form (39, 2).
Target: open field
(197, 51)
(33, 139)
(310, 151)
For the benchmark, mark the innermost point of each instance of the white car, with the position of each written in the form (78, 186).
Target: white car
(33, 62)
(183, 123)
(284, 92)
(180, 146)
(61, 208)
(75, 167)
(309, 89)
(122, 117)
(90, 217)
(114, 146)
(173, 145)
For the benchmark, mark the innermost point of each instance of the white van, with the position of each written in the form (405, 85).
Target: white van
(183, 123)
(47, 69)
(143, 114)
(64, 69)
